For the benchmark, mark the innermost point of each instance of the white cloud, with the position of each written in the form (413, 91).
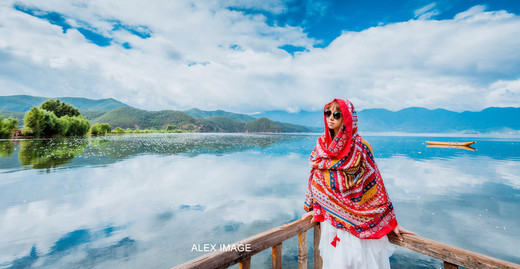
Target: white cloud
(292, 109)
(449, 64)
(503, 93)
(471, 12)
(426, 12)
(421, 11)
(202, 54)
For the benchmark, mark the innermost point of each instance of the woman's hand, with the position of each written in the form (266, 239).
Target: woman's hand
(398, 230)
(306, 215)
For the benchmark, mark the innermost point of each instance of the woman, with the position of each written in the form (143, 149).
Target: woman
(347, 195)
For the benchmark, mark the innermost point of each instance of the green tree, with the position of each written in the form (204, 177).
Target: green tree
(44, 122)
(100, 128)
(59, 108)
(50, 125)
(33, 122)
(62, 126)
(78, 125)
(172, 127)
(119, 130)
(11, 123)
(7, 126)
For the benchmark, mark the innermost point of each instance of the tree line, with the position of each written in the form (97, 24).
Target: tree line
(53, 118)
(57, 118)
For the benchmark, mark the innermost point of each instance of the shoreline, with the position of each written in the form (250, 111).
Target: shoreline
(364, 134)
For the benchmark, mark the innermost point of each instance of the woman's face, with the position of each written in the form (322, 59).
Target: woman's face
(332, 122)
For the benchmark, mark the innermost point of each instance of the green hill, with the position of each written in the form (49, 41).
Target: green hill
(120, 115)
(20, 103)
(267, 125)
(129, 117)
(293, 128)
(197, 113)
(223, 124)
(89, 104)
(92, 114)
(11, 114)
(24, 103)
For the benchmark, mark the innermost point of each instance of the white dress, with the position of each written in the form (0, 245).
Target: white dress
(352, 252)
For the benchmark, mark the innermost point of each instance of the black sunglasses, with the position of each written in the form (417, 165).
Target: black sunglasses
(336, 115)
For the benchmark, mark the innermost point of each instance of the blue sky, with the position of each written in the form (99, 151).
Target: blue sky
(325, 20)
(250, 56)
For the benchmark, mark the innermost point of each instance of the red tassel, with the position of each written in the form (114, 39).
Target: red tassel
(334, 241)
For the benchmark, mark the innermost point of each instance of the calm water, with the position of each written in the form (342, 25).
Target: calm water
(143, 201)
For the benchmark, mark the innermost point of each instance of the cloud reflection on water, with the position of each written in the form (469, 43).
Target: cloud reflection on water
(148, 209)
(462, 201)
(176, 199)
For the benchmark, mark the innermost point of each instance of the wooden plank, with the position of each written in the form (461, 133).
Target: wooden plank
(257, 243)
(450, 254)
(277, 257)
(448, 265)
(245, 264)
(318, 262)
(302, 250)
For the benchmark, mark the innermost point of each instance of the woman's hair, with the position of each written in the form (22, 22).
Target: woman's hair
(331, 132)
(334, 105)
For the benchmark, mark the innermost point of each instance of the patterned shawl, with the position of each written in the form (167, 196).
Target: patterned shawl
(345, 186)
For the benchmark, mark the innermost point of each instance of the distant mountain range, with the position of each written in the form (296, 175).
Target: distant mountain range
(118, 114)
(416, 120)
(413, 120)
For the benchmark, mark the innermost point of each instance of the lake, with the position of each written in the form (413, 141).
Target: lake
(144, 201)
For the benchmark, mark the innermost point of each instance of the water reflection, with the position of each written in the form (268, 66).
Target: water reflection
(455, 200)
(452, 147)
(155, 196)
(50, 153)
(165, 204)
(6, 148)
(122, 147)
(77, 152)
(70, 242)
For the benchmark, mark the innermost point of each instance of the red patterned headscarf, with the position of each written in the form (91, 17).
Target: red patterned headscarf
(345, 186)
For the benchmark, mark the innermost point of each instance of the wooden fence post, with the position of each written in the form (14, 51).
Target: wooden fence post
(245, 264)
(318, 262)
(277, 256)
(302, 250)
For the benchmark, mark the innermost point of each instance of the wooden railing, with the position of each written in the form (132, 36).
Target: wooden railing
(273, 238)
